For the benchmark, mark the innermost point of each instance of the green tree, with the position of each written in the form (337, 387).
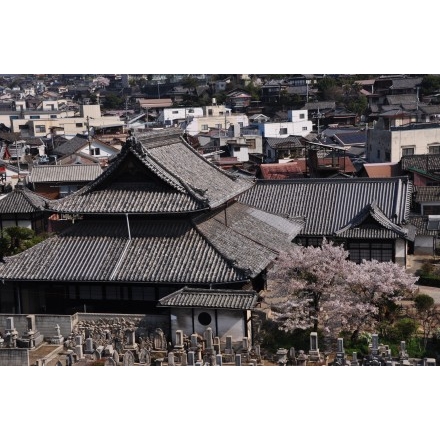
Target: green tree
(16, 239)
(430, 84)
(427, 315)
(113, 101)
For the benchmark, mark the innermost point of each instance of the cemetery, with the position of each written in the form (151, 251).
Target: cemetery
(127, 340)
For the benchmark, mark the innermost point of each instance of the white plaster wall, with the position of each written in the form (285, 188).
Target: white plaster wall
(400, 248)
(230, 323)
(424, 245)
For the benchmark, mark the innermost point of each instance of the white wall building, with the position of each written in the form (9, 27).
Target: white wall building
(296, 125)
(389, 145)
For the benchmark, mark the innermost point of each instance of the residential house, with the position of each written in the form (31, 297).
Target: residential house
(57, 181)
(24, 208)
(423, 169)
(297, 124)
(215, 116)
(81, 146)
(391, 139)
(369, 216)
(238, 100)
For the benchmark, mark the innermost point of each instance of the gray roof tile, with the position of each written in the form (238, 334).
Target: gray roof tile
(211, 298)
(64, 173)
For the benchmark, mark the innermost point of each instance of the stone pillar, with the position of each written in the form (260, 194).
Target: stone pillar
(218, 360)
(194, 342)
(171, 359)
(208, 338)
(238, 360)
(89, 346)
(374, 344)
(217, 345)
(191, 358)
(313, 341)
(79, 351)
(179, 340)
(229, 349)
(184, 359)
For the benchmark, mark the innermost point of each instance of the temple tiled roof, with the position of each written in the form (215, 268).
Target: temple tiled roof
(211, 298)
(22, 201)
(330, 204)
(182, 251)
(158, 173)
(64, 173)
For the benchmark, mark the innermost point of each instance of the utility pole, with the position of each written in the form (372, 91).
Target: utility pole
(89, 139)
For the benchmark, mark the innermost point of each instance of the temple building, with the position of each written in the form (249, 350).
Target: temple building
(159, 219)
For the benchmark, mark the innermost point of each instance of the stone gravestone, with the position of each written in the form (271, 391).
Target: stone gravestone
(354, 359)
(110, 362)
(217, 344)
(191, 358)
(219, 360)
(184, 359)
(194, 342)
(128, 359)
(340, 353)
(314, 350)
(228, 348)
(374, 344)
(179, 340)
(281, 356)
(237, 360)
(89, 346)
(116, 357)
(171, 359)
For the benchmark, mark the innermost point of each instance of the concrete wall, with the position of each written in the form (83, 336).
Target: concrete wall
(14, 357)
(45, 324)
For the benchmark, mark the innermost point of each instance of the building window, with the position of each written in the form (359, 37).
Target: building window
(191, 110)
(205, 127)
(302, 116)
(14, 117)
(370, 251)
(53, 116)
(210, 112)
(434, 149)
(40, 129)
(387, 156)
(218, 125)
(175, 112)
(378, 154)
(96, 151)
(407, 151)
(304, 128)
(34, 117)
(283, 130)
(79, 124)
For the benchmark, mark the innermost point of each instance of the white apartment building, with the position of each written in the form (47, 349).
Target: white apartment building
(216, 117)
(296, 125)
(390, 144)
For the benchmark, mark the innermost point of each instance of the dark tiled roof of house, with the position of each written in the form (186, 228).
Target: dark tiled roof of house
(426, 194)
(22, 201)
(64, 173)
(402, 99)
(211, 299)
(156, 174)
(284, 143)
(426, 162)
(71, 146)
(329, 204)
(321, 106)
(420, 222)
(350, 138)
(158, 251)
(406, 83)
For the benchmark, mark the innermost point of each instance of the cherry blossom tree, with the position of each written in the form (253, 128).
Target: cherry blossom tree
(320, 289)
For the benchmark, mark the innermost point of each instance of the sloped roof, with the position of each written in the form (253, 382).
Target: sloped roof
(76, 143)
(426, 194)
(182, 251)
(420, 222)
(156, 173)
(329, 204)
(405, 83)
(382, 169)
(353, 137)
(211, 299)
(281, 171)
(372, 211)
(64, 173)
(426, 162)
(284, 143)
(22, 200)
